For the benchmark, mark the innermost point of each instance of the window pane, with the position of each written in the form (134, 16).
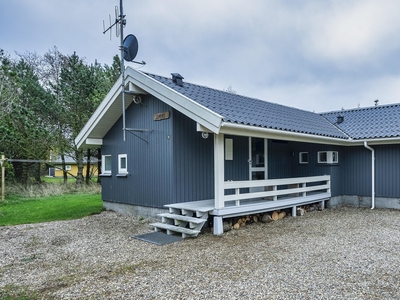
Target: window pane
(303, 157)
(123, 162)
(107, 163)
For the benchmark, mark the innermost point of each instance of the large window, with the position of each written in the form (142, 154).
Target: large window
(328, 157)
(106, 164)
(122, 164)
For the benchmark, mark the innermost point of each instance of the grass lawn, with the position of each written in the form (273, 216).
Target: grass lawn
(18, 210)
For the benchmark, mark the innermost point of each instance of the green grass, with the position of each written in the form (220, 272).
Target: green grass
(17, 210)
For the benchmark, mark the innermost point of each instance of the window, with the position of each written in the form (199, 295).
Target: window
(303, 157)
(228, 149)
(122, 163)
(68, 168)
(106, 164)
(328, 157)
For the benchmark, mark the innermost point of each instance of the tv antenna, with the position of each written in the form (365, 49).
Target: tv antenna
(129, 47)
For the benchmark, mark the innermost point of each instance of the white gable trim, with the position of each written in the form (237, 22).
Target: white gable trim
(181, 103)
(110, 109)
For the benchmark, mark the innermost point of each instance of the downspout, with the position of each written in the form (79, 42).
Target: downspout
(373, 172)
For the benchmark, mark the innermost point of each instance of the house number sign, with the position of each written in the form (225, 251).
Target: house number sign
(161, 116)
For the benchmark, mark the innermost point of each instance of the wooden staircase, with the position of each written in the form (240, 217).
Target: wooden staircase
(181, 220)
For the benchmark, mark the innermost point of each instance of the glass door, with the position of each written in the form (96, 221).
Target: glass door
(257, 160)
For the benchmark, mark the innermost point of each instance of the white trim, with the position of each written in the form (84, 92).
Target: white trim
(183, 104)
(121, 169)
(332, 157)
(103, 164)
(301, 160)
(109, 110)
(98, 142)
(219, 166)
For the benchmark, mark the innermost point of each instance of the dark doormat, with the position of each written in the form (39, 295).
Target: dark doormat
(158, 238)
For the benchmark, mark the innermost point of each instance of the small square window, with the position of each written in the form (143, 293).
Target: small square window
(106, 164)
(303, 157)
(68, 168)
(122, 163)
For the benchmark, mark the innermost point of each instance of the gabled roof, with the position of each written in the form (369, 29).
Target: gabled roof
(382, 121)
(220, 111)
(254, 112)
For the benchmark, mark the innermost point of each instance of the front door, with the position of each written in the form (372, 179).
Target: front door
(257, 160)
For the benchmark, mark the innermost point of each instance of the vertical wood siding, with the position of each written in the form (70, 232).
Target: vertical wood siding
(149, 164)
(193, 161)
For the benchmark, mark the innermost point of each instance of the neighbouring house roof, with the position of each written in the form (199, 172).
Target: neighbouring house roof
(382, 121)
(222, 111)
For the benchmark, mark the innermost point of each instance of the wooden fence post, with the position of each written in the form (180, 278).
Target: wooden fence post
(3, 175)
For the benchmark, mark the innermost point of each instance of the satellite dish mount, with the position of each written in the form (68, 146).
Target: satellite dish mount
(129, 48)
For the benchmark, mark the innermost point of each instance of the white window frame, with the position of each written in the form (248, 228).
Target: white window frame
(67, 167)
(122, 170)
(228, 149)
(332, 157)
(301, 161)
(103, 164)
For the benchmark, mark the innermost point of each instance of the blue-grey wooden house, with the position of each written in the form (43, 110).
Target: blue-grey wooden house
(200, 151)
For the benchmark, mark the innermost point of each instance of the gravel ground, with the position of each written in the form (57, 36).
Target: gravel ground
(342, 253)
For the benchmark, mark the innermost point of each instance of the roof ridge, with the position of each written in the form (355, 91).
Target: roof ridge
(360, 108)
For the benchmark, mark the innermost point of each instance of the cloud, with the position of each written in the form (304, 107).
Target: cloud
(350, 32)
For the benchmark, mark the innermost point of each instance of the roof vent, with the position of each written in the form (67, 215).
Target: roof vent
(177, 78)
(340, 119)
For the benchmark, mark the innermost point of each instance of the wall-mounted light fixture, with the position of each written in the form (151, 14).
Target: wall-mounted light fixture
(204, 135)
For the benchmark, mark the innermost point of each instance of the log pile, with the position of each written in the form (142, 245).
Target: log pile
(268, 217)
(262, 217)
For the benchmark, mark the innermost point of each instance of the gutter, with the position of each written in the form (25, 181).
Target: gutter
(373, 172)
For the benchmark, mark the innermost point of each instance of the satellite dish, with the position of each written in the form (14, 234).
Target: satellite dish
(130, 46)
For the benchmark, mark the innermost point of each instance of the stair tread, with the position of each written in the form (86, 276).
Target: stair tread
(183, 218)
(175, 228)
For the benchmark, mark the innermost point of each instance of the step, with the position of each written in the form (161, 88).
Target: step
(183, 218)
(176, 228)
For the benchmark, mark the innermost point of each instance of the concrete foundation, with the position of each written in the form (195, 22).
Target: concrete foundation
(361, 201)
(134, 210)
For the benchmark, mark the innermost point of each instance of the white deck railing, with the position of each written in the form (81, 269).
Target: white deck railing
(274, 189)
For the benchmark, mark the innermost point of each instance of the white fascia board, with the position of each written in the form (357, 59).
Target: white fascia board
(98, 114)
(97, 142)
(246, 130)
(377, 141)
(183, 104)
(261, 132)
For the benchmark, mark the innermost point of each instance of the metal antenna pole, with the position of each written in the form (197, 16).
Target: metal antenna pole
(122, 23)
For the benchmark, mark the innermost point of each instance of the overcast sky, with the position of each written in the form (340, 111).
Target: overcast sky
(314, 55)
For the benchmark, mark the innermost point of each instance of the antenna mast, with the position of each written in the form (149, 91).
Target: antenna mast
(128, 47)
(122, 23)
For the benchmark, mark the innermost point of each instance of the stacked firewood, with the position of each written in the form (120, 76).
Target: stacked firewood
(271, 217)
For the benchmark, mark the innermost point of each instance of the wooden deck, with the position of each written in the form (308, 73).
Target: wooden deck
(258, 196)
(251, 207)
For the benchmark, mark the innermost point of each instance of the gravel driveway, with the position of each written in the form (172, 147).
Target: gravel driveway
(342, 253)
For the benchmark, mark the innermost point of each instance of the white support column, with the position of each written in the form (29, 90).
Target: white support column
(219, 171)
(294, 208)
(218, 226)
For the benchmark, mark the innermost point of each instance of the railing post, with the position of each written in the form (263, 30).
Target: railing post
(275, 188)
(219, 190)
(237, 192)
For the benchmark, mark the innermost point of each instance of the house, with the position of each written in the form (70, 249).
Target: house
(71, 166)
(199, 151)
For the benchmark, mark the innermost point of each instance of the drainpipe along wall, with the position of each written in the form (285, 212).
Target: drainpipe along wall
(372, 171)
